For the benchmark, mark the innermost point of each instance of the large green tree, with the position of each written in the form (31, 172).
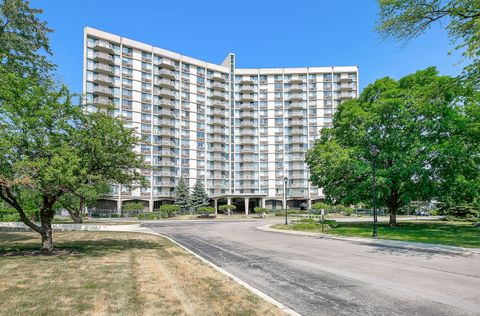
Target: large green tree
(199, 196)
(182, 196)
(420, 125)
(24, 44)
(105, 148)
(407, 19)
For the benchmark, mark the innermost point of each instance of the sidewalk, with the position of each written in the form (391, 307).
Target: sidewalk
(418, 246)
(72, 227)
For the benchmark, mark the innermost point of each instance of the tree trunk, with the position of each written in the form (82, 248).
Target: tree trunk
(47, 240)
(75, 216)
(393, 217)
(46, 217)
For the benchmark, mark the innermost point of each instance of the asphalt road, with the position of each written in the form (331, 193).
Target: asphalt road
(319, 276)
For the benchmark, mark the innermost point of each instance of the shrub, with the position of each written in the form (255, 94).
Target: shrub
(226, 208)
(320, 205)
(152, 215)
(170, 209)
(260, 210)
(348, 211)
(133, 206)
(340, 208)
(9, 215)
(206, 210)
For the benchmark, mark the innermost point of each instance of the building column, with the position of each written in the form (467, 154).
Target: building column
(262, 202)
(309, 203)
(150, 205)
(119, 202)
(247, 201)
(229, 201)
(215, 202)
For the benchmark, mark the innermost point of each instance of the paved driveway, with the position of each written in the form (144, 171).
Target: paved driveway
(318, 276)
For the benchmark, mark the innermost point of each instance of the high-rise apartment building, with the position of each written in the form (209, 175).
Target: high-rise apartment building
(241, 131)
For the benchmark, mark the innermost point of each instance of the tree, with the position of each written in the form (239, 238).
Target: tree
(133, 207)
(24, 44)
(199, 196)
(182, 196)
(407, 19)
(105, 147)
(227, 209)
(420, 125)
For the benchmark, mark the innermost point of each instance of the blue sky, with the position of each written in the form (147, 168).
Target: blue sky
(260, 33)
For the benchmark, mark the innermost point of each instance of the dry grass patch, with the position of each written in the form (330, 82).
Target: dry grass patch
(116, 273)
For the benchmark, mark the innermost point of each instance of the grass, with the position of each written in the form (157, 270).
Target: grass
(432, 232)
(116, 273)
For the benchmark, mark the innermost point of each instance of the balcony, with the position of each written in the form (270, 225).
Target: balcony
(165, 142)
(103, 57)
(347, 87)
(102, 90)
(166, 63)
(298, 131)
(166, 103)
(166, 73)
(217, 139)
(297, 123)
(296, 97)
(296, 80)
(162, 112)
(217, 148)
(217, 121)
(166, 93)
(247, 114)
(164, 132)
(345, 96)
(217, 77)
(296, 113)
(249, 123)
(165, 83)
(103, 79)
(102, 101)
(296, 105)
(218, 104)
(249, 149)
(247, 88)
(298, 140)
(218, 86)
(218, 95)
(166, 123)
(217, 158)
(296, 88)
(218, 130)
(246, 80)
(297, 149)
(103, 46)
(248, 132)
(219, 113)
(246, 106)
(247, 140)
(247, 97)
(102, 68)
(345, 78)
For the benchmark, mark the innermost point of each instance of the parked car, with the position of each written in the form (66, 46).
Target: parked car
(422, 213)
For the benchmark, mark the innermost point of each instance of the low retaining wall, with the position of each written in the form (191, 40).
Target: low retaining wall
(15, 226)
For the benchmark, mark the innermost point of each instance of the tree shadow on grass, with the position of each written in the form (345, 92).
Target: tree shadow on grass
(80, 247)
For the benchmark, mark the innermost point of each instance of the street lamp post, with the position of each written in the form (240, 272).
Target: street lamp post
(285, 199)
(374, 152)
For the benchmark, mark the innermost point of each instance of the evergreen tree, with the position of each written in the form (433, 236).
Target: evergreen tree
(182, 197)
(199, 196)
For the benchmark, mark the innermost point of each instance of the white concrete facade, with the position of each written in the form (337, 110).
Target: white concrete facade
(241, 131)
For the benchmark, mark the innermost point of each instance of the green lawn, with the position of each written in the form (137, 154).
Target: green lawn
(437, 232)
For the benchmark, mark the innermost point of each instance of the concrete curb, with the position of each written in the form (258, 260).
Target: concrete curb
(382, 242)
(72, 227)
(266, 297)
